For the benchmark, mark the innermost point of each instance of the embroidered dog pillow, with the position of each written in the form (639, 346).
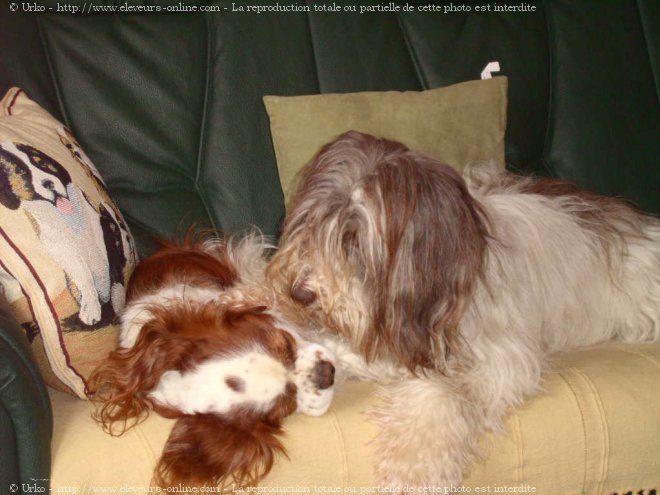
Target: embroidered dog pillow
(65, 250)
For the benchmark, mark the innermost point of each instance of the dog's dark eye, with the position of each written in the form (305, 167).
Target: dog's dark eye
(303, 294)
(49, 184)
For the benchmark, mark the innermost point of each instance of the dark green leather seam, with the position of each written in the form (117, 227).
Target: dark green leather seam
(547, 140)
(51, 72)
(37, 378)
(648, 49)
(4, 385)
(421, 78)
(36, 430)
(13, 345)
(11, 470)
(311, 43)
(202, 130)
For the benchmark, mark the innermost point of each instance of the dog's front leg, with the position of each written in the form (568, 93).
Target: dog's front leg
(353, 366)
(428, 434)
(88, 298)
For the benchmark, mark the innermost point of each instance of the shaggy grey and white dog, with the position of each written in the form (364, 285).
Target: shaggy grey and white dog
(452, 290)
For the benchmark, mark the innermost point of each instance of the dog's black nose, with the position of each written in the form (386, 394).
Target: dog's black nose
(323, 375)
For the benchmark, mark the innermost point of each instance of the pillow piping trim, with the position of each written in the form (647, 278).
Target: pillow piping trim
(68, 381)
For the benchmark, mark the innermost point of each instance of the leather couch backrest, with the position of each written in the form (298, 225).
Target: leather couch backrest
(169, 105)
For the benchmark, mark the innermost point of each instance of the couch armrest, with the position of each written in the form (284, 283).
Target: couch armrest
(26, 421)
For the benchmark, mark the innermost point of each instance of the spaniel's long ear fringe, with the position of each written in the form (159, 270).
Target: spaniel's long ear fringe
(115, 392)
(419, 239)
(120, 385)
(209, 450)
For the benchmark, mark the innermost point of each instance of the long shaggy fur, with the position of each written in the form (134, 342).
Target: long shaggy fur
(452, 290)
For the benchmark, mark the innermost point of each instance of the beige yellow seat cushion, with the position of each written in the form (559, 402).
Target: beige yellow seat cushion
(458, 124)
(595, 430)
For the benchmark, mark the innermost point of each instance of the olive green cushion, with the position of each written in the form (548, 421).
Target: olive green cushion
(459, 124)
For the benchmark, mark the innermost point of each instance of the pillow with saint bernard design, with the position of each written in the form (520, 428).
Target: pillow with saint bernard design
(65, 250)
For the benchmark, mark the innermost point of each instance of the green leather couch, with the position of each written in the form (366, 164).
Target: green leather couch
(169, 108)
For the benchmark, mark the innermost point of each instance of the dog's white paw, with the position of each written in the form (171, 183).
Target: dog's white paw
(90, 311)
(118, 297)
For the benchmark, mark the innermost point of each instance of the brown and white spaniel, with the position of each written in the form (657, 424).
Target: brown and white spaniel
(200, 343)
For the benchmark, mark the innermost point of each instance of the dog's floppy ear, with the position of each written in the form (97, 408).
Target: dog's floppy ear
(208, 449)
(14, 180)
(421, 266)
(121, 384)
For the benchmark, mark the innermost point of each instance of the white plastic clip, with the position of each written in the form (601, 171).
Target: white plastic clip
(491, 67)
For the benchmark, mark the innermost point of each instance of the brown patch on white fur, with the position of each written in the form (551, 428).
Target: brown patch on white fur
(235, 383)
(606, 216)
